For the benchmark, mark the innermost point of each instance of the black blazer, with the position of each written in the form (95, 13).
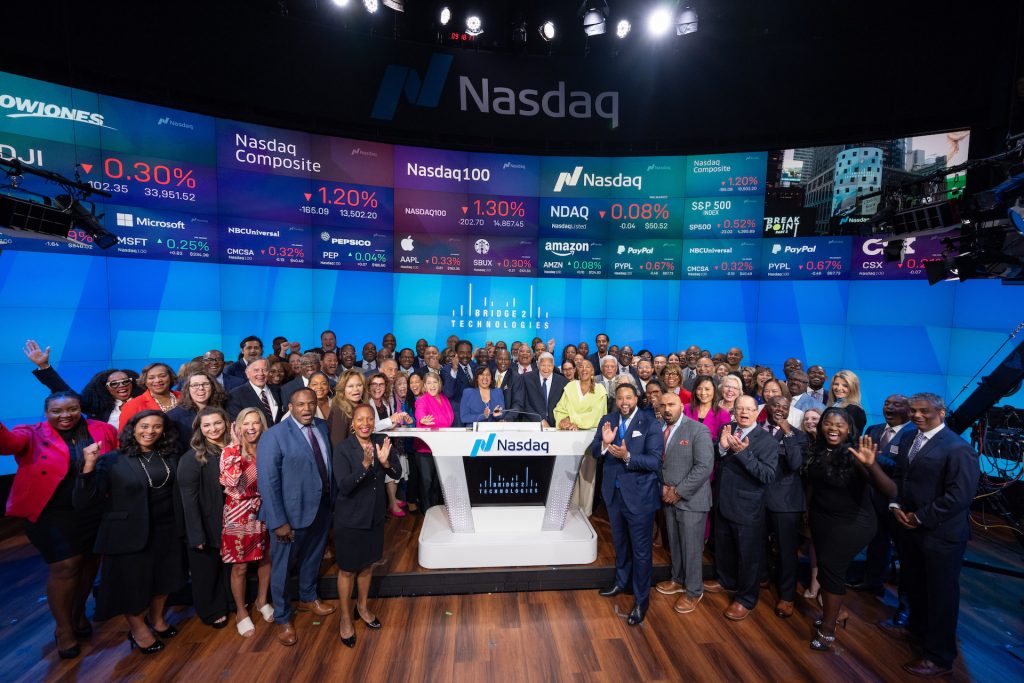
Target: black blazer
(743, 478)
(786, 493)
(362, 497)
(183, 419)
(939, 485)
(508, 386)
(118, 486)
(245, 397)
(531, 397)
(202, 499)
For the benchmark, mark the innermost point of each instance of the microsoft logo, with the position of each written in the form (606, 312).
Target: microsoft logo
(125, 220)
(425, 92)
(484, 445)
(566, 178)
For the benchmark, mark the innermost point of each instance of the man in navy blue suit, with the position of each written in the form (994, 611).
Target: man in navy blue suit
(539, 392)
(632, 492)
(459, 376)
(297, 488)
(937, 476)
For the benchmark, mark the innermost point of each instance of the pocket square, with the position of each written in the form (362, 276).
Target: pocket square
(684, 442)
(636, 434)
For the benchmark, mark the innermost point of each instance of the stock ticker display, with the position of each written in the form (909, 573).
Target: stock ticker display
(187, 187)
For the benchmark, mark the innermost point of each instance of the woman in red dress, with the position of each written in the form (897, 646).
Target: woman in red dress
(245, 538)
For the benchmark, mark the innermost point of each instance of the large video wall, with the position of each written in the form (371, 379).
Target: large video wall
(228, 229)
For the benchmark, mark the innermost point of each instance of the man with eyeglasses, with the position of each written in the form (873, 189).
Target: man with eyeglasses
(213, 363)
(309, 363)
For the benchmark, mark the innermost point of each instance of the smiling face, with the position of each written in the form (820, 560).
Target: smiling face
(625, 400)
(354, 389)
(200, 389)
(251, 428)
(275, 375)
(810, 422)
(569, 370)
(416, 385)
(840, 388)
(432, 384)
(834, 429)
(705, 368)
(746, 411)
(251, 350)
(64, 413)
(256, 372)
(926, 416)
(584, 369)
(378, 385)
(148, 431)
(119, 384)
(213, 428)
(362, 421)
(484, 378)
(734, 357)
(158, 380)
(816, 377)
(705, 392)
(320, 386)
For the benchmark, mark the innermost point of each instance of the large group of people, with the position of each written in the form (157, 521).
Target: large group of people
(199, 474)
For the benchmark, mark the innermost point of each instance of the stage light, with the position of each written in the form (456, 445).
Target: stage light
(371, 6)
(340, 3)
(687, 22)
(86, 220)
(659, 22)
(474, 26)
(594, 16)
(622, 28)
(397, 5)
(547, 31)
(445, 16)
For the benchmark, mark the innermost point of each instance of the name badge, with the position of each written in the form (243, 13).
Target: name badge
(894, 449)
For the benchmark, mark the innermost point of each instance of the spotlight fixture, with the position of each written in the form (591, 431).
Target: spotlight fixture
(547, 31)
(687, 22)
(397, 5)
(622, 28)
(445, 16)
(594, 16)
(340, 3)
(474, 26)
(659, 22)
(371, 6)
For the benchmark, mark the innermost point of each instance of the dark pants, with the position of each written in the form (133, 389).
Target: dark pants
(305, 553)
(209, 584)
(932, 570)
(786, 528)
(738, 552)
(429, 486)
(631, 534)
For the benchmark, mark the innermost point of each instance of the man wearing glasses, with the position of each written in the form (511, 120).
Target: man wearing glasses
(213, 363)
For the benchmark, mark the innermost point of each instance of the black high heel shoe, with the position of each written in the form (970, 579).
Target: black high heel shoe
(821, 642)
(844, 616)
(168, 632)
(149, 649)
(351, 640)
(375, 624)
(68, 652)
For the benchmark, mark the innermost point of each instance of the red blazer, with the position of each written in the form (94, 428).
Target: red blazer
(134, 406)
(43, 460)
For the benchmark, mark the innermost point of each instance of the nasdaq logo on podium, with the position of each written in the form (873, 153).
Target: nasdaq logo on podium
(492, 443)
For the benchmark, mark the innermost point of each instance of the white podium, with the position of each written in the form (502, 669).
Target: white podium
(459, 534)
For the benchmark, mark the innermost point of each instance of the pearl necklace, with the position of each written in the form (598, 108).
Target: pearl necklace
(174, 402)
(143, 461)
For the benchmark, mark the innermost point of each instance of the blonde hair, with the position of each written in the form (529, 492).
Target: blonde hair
(852, 381)
(340, 401)
(244, 413)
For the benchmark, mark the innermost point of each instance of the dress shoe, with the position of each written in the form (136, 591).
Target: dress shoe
(713, 587)
(736, 612)
(784, 609)
(894, 631)
(150, 649)
(612, 592)
(68, 652)
(350, 641)
(375, 624)
(926, 667)
(168, 632)
(877, 591)
(686, 604)
(636, 615)
(321, 609)
(669, 588)
(286, 634)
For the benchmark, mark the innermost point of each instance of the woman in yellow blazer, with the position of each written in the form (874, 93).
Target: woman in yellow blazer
(583, 404)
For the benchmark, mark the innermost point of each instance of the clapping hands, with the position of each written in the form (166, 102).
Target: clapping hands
(731, 443)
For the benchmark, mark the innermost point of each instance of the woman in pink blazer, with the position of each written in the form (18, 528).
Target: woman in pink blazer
(433, 411)
(703, 407)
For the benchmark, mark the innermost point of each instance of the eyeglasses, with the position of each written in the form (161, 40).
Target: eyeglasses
(200, 385)
(114, 383)
(378, 385)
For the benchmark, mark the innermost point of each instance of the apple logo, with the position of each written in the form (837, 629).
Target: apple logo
(407, 244)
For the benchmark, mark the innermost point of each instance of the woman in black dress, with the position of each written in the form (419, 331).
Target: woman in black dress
(143, 554)
(360, 463)
(840, 471)
(202, 502)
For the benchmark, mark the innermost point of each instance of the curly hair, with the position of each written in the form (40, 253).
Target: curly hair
(833, 464)
(96, 397)
(166, 446)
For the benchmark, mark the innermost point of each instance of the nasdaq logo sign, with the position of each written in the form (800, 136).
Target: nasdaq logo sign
(422, 92)
(509, 446)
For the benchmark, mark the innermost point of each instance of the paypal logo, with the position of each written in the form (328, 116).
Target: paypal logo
(425, 92)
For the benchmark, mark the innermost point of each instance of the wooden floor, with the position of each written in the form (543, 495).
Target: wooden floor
(535, 636)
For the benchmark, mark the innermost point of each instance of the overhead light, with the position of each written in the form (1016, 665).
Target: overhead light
(474, 26)
(371, 6)
(547, 31)
(445, 16)
(659, 21)
(687, 22)
(340, 3)
(594, 16)
(622, 28)
(397, 5)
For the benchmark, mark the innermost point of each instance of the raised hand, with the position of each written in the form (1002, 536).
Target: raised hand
(551, 345)
(727, 438)
(383, 452)
(90, 455)
(38, 356)
(620, 451)
(607, 434)
(367, 455)
(786, 428)
(865, 452)
(427, 420)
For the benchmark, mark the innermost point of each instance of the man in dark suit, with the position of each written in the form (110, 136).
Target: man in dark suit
(213, 363)
(539, 392)
(749, 460)
(601, 341)
(703, 368)
(309, 363)
(252, 349)
(686, 493)
(504, 376)
(297, 488)
(458, 376)
(889, 435)
(785, 502)
(431, 362)
(936, 477)
(256, 393)
(369, 362)
(631, 444)
(421, 348)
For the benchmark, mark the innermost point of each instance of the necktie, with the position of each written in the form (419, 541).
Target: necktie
(886, 438)
(622, 428)
(318, 455)
(915, 447)
(545, 388)
(668, 430)
(266, 404)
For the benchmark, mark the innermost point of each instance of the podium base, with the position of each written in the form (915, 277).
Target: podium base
(505, 537)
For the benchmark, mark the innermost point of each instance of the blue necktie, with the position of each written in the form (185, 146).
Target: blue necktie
(622, 428)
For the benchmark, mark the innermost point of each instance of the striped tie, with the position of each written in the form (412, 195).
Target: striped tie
(915, 447)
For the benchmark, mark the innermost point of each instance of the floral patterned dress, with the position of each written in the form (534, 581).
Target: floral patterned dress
(245, 537)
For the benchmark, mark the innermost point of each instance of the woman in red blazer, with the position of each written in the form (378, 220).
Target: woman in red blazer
(158, 378)
(48, 454)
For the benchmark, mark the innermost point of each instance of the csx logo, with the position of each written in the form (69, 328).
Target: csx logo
(874, 247)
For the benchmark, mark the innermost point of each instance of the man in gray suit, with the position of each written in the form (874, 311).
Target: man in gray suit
(686, 492)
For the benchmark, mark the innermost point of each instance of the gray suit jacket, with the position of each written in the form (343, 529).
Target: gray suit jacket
(689, 459)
